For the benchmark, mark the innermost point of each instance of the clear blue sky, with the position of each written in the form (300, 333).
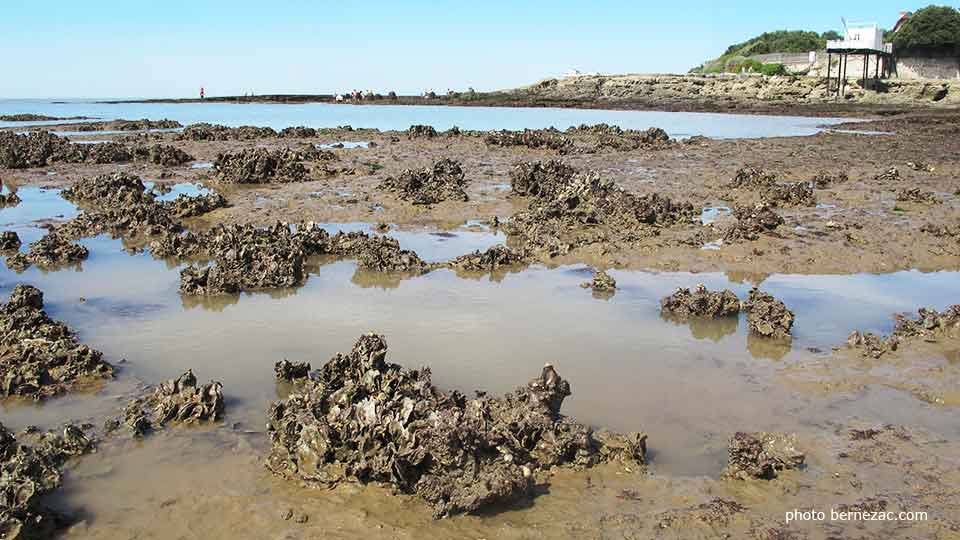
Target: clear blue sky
(169, 48)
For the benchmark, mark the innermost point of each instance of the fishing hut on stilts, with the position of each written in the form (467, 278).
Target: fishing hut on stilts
(862, 42)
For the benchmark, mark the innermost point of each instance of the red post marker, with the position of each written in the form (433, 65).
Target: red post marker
(201, 93)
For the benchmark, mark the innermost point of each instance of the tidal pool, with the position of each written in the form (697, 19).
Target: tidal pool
(399, 117)
(688, 385)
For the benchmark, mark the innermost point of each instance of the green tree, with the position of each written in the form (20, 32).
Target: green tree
(933, 27)
(780, 41)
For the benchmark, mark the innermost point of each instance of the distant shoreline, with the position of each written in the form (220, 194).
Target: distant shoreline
(502, 99)
(740, 94)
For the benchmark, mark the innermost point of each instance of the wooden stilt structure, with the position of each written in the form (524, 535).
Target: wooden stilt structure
(860, 40)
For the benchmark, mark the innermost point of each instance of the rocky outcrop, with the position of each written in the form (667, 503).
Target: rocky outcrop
(700, 302)
(249, 258)
(364, 419)
(772, 190)
(751, 222)
(540, 178)
(263, 166)
(929, 324)
(721, 92)
(9, 241)
(9, 199)
(246, 268)
(166, 155)
(29, 472)
(49, 252)
(492, 259)
(607, 137)
(767, 316)
(41, 357)
(286, 370)
(215, 132)
(762, 455)
(441, 182)
(601, 282)
(119, 204)
(918, 196)
(176, 401)
(185, 206)
(38, 149)
(297, 132)
(567, 211)
(547, 139)
(421, 131)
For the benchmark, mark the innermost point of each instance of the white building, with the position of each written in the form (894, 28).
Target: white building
(861, 37)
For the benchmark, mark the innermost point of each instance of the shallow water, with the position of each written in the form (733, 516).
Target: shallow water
(689, 386)
(175, 190)
(710, 214)
(345, 144)
(386, 117)
(113, 132)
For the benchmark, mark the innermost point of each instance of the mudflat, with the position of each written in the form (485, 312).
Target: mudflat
(483, 255)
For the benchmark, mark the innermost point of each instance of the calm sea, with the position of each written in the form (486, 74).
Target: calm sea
(388, 117)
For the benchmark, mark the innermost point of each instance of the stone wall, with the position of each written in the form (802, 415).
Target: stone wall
(928, 67)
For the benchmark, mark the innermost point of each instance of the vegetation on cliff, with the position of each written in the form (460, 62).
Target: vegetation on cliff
(736, 57)
(933, 27)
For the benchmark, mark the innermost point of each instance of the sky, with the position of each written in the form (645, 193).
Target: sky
(170, 48)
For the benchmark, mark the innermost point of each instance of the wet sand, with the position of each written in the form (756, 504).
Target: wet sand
(690, 386)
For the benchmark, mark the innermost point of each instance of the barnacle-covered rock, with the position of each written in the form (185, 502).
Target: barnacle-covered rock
(762, 455)
(49, 252)
(28, 472)
(41, 357)
(166, 155)
(601, 281)
(286, 370)
(493, 258)
(443, 181)
(9, 241)
(361, 418)
(751, 222)
(550, 139)
(700, 302)
(767, 316)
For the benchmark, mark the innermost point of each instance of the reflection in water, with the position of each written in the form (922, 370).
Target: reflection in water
(602, 294)
(368, 279)
(768, 348)
(753, 278)
(430, 245)
(705, 327)
(170, 192)
(214, 304)
(38, 205)
(114, 308)
(478, 333)
(495, 276)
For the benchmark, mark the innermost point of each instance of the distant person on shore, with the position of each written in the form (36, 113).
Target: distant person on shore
(202, 94)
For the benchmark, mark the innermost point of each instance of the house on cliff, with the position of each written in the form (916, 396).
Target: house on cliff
(913, 63)
(904, 16)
